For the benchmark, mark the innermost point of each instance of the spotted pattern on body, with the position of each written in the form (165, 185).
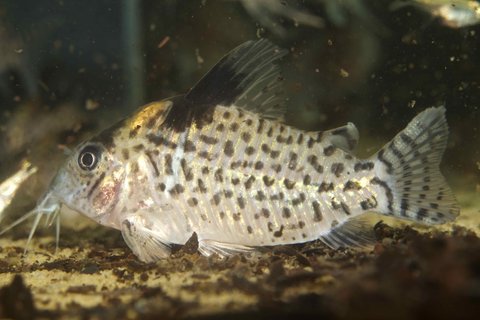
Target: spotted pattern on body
(259, 181)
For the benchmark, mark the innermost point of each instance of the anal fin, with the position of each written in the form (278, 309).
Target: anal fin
(207, 247)
(146, 244)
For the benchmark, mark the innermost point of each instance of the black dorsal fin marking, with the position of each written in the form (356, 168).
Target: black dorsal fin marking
(247, 77)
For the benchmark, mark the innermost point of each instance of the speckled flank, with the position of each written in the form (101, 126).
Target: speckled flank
(248, 180)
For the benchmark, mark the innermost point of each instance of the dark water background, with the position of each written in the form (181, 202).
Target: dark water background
(70, 68)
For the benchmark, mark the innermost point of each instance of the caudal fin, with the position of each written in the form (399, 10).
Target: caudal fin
(410, 174)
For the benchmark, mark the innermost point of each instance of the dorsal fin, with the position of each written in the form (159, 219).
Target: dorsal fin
(247, 77)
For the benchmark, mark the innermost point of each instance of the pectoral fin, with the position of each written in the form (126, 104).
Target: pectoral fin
(146, 244)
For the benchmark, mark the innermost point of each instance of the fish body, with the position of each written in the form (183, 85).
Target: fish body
(454, 14)
(220, 161)
(239, 179)
(9, 187)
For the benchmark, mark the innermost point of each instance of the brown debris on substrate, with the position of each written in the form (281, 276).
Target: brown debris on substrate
(407, 275)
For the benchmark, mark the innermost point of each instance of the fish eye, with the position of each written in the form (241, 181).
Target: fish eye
(88, 158)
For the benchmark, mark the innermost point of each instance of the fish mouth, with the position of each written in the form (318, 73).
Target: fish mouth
(48, 206)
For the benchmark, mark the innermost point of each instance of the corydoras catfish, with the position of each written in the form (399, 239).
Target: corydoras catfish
(221, 162)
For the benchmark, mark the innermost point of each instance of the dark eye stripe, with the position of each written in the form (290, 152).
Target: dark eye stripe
(96, 184)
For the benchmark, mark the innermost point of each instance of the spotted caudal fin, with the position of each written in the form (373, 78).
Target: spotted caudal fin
(409, 175)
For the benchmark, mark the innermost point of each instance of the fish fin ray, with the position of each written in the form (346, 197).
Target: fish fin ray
(411, 163)
(356, 232)
(207, 247)
(247, 77)
(147, 245)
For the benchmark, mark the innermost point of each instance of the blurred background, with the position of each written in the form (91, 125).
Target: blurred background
(70, 68)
